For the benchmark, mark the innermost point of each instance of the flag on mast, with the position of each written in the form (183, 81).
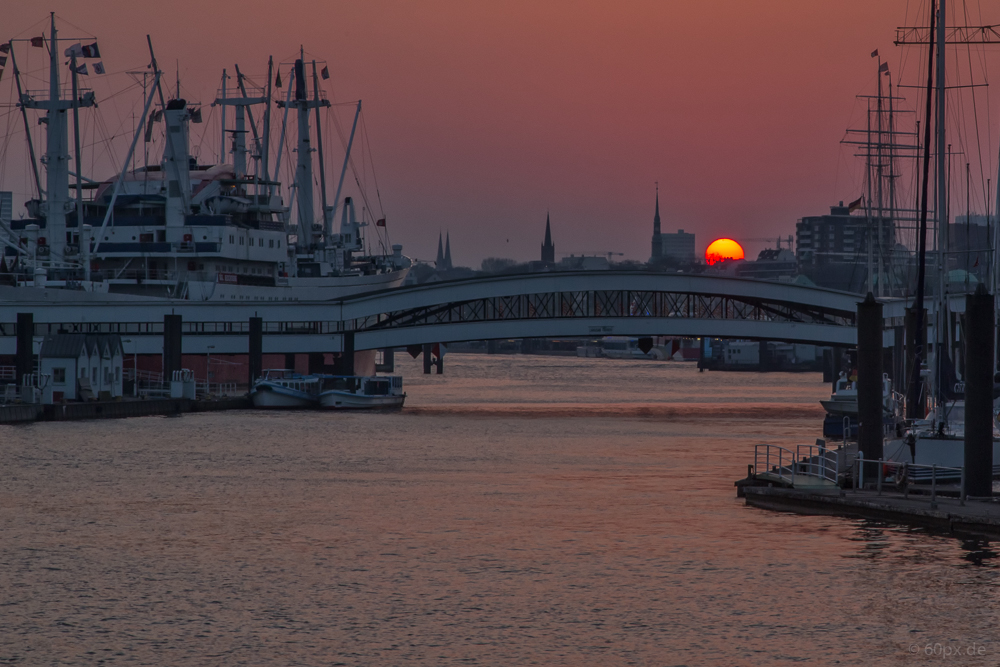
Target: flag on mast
(856, 204)
(74, 50)
(325, 73)
(38, 41)
(380, 222)
(5, 47)
(875, 53)
(91, 51)
(884, 67)
(277, 79)
(98, 68)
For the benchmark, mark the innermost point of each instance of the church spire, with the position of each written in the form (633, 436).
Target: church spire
(439, 262)
(447, 252)
(548, 250)
(656, 216)
(657, 244)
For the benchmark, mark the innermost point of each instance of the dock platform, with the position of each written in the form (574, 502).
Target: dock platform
(947, 514)
(26, 413)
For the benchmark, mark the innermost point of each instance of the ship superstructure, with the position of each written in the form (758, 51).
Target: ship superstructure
(184, 230)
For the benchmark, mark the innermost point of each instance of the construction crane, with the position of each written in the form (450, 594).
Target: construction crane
(770, 239)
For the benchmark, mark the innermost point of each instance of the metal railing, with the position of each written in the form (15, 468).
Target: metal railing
(8, 373)
(903, 474)
(774, 460)
(809, 461)
(818, 461)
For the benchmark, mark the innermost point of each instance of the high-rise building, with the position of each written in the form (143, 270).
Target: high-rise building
(548, 249)
(678, 247)
(832, 250)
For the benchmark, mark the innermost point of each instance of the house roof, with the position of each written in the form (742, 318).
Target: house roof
(66, 346)
(63, 346)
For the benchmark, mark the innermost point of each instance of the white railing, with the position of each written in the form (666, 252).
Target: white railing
(775, 461)
(8, 373)
(812, 461)
(903, 474)
(818, 461)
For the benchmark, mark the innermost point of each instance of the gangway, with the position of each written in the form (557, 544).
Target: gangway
(808, 467)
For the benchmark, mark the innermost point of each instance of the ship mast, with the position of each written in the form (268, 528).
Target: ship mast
(57, 202)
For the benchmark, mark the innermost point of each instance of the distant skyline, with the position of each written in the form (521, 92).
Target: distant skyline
(483, 117)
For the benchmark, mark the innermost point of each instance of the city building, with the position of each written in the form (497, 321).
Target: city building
(675, 248)
(832, 250)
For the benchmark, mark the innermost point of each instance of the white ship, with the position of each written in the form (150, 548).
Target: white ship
(356, 392)
(178, 229)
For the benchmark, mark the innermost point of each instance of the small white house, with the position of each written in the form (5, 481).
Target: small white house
(66, 358)
(81, 367)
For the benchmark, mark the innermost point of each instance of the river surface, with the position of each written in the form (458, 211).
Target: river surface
(519, 510)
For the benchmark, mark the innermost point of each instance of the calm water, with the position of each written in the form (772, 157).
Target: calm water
(520, 510)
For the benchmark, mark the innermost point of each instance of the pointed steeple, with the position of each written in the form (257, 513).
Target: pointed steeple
(548, 250)
(439, 262)
(447, 252)
(657, 244)
(656, 216)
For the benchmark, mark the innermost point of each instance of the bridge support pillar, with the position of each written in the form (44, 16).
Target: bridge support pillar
(24, 362)
(290, 360)
(430, 359)
(388, 364)
(979, 336)
(870, 428)
(256, 361)
(171, 346)
(344, 364)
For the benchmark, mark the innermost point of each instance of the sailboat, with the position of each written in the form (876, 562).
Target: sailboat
(939, 436)
(180, 229)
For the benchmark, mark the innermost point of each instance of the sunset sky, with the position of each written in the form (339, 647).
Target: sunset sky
(483, 116)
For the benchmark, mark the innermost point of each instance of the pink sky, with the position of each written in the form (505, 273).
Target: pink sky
(482, 116)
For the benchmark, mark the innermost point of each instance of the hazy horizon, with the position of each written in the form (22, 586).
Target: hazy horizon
(484, 118)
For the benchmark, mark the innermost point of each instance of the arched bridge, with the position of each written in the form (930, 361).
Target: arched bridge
(601, 303)
(557, 304)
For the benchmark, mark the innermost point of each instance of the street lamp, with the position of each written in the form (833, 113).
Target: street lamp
(135, 365)
(208, 369)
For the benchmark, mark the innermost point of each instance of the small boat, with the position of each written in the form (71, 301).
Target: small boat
(283, 388)
(844, 399)
(351, 392)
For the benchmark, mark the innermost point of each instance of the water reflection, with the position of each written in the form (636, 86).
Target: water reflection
(602, 530)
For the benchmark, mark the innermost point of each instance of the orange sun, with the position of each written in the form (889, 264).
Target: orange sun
(721, 250)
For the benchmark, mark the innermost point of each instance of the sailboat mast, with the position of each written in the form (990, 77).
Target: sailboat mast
(915, 382)
(877, 228)
(941, 208)
(870, 240)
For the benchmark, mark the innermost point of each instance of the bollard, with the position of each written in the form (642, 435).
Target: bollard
(979, 342)
(869, 384)
(934, 487)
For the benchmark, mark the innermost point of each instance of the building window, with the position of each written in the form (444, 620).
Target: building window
(241, 240)
(118, 373)
(59, 375)
(93, 375)
(231, 241)
(270, 244)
